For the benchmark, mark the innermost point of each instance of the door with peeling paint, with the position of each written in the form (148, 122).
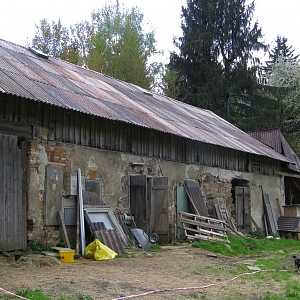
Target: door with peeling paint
(159, 208)
(242, 208)
(148, 198)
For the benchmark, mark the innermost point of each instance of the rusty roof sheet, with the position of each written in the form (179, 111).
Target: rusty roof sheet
(275, 139)
(56, 82)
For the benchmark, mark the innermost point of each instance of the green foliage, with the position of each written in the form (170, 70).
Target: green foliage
(120, 47)
(257, 234)
(38, 246)
(245, 245)
(38, 295)
(156, 248)
(212, 70)
(282, 74)
(5, 253)
(33, 294)
(282, 276)
(281, 49)
(270, 263)
(191, 295)
(292, 292)
(84, 297)
(113, 43)
(124, 255)
(172, 83)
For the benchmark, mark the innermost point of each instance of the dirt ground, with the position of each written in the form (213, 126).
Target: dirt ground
(177, 272)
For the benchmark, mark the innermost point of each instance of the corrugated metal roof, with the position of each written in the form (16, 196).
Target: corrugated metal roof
(275, 139)
(56, 82)
(288, 223)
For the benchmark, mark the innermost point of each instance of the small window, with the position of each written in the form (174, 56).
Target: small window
(92, 194)
(256, 164)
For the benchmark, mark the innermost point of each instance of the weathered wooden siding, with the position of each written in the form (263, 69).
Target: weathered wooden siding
(81, 129)
(12, 199)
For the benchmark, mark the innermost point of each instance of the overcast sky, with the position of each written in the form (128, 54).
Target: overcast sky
(18, 18)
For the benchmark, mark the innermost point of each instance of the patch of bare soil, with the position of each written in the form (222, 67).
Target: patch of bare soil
(178, 272)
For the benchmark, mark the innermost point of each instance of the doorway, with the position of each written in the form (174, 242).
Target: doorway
(240, 196)
(148, 200)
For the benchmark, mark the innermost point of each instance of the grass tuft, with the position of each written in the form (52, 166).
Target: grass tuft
(240, 245)
(33, 294)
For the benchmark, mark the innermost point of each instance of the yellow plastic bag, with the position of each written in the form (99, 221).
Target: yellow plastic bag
(99, 251)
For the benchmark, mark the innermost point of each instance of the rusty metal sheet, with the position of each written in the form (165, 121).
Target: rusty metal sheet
(288, 223)
(195, 195)
(111, 239)
(275, 139)
(11, 86)
(269, 137)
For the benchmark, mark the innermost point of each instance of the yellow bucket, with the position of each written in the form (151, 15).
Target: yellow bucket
(67, 256)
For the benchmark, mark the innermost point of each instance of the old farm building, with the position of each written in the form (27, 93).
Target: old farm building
(134, 148)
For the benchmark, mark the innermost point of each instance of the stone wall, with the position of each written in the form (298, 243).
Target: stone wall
(113, 170)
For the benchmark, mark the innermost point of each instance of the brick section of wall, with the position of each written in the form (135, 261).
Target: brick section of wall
(57, 155)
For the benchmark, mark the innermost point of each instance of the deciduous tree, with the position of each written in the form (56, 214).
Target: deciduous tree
(120, 46)
(113, 43)
(52, 39)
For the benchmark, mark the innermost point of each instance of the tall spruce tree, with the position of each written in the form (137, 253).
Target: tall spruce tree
(281, 49)
(215, 65)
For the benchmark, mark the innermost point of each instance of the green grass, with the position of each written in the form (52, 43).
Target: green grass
(33, 294)
(277, 266)
(156, 248)
(270, 263)
(282, 276)
(38, 295)
(246, 245)
(292, 292)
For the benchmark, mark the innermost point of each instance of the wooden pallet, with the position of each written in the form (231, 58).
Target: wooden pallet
(198, 227)
(223, 215)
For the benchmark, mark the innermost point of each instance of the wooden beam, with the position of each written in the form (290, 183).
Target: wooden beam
(295, 183)
(14, 128)
(63, 230)
(287, 174)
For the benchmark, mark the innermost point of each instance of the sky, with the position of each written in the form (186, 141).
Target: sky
(18, 18)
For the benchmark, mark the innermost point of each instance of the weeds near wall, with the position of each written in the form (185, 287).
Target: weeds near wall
(37, 246)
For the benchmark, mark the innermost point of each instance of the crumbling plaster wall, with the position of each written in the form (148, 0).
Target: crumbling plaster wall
(114, 168)
(217, 183)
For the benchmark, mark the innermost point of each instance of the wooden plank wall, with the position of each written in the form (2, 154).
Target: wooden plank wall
(12, 198)
(81, 129)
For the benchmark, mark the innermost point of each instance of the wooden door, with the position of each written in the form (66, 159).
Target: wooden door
(149, 204)
(12, 194)
(159, 208)
(242, 208)
(138, 200)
